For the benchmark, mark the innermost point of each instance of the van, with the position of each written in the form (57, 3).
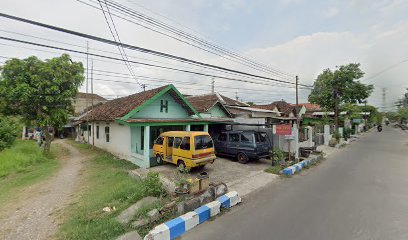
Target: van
(243, 145)
(186, 149)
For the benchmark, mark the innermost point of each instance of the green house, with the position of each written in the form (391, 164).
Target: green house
(128, 126)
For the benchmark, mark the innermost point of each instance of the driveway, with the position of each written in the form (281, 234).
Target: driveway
(243, 178)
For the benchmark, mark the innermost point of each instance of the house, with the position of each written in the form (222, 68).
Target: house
(82, 101)
(128, 126)
(211, 105)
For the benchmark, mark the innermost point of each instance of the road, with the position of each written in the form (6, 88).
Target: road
(360, 192)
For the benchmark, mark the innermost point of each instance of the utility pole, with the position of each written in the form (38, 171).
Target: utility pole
(383, 96)
(92, 105)
(87, 80)
(213, 86)
(143, 86)
(297, 101)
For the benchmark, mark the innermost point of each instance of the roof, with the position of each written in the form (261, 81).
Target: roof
(309, 106)
(122, 107)
(266, 107)
(90, 96)
(283, 106)
(252, 109)
(204, 102)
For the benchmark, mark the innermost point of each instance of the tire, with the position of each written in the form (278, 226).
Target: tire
(199, 168)
(181, 163)
(242, 158)
(159, 159)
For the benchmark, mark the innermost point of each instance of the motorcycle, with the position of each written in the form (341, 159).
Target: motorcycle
(379, 128)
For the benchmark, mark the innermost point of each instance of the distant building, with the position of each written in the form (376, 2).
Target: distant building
(85, 100)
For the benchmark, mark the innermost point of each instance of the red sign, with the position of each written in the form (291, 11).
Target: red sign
(283, 129)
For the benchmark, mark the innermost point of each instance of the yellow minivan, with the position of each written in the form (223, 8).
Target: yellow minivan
(182, 148)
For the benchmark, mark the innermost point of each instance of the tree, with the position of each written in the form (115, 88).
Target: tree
(333, 88)
(8, 132)
(41, 92)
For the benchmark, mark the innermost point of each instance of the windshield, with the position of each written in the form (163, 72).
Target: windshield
(203, 142)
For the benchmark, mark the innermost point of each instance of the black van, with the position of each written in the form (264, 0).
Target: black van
(244, 145)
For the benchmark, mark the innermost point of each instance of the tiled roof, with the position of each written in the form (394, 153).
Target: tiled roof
(266, 107)
(119, 107)
(309, 106)
(203, 103)
(90, 96)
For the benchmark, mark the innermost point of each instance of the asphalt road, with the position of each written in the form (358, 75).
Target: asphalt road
(360, 192)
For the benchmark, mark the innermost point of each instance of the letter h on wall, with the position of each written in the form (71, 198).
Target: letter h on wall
(164, 105)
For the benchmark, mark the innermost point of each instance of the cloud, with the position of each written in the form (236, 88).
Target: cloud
(331, 12)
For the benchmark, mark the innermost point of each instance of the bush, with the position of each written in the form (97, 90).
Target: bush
(152, 185)
(8, 132)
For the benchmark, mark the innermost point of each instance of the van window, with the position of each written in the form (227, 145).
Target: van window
(247, 137)
(159, 141)
(185, 144)
(170, 141)
(234, 137)
(203, 142)
(260, 137)
(177, 142)
(222, 137)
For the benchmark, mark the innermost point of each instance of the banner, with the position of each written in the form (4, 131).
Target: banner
(283, 129)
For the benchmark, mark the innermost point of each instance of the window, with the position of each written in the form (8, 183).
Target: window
(141, 137)
(107, 134)
(164, 106)
(89, 130)
(247, 137)
(261, 137)
(203, 142)
(159, 141)
(222, 137)
(234, 137)
(185, 144)
(177, 142)
(170, 142)
(97, 132)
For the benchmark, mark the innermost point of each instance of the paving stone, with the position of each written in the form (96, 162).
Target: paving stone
(139, 223)
(126, 216)
(134, 235)
(153, 215)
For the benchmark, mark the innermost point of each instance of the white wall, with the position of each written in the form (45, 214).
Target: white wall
(119, 139)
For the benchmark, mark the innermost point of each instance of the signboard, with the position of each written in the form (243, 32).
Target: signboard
(283, 129)
(357, 120)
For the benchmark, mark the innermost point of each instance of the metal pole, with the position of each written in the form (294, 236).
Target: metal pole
(92, 102)
(87, 79)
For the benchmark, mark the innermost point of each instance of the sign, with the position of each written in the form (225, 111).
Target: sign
(283, 129)
(357, 120)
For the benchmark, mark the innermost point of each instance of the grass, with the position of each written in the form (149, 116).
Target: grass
(106, 183)
(274, 170)
(23, 165)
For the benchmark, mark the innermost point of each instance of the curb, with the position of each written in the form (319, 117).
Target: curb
(177, 226)
(290, 171)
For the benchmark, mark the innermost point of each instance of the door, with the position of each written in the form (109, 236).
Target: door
(169, 148)
(181, 149)
(233, 144)
(247, 142)
(220, 143)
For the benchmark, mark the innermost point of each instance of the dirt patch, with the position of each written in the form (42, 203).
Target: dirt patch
(37, 214)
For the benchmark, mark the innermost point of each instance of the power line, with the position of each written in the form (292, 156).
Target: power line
(141, 63)
(148, 51)
(182, 34)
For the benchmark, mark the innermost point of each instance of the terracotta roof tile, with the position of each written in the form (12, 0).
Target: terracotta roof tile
(119, 107)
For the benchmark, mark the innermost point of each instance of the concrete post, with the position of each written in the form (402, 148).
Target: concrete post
(341, 131)
(24, 131)
(310, 137)
(188, 127)
(146, 150)
(205, 127)
(295, 133)
(326, 135)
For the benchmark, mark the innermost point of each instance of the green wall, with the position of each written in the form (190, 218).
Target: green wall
(153, 111)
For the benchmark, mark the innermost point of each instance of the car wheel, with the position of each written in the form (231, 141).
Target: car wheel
(181, 165)
(200, 167)
(242, 158)
(159, 159)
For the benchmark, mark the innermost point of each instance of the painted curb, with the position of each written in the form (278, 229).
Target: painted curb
(176, 227)
(290, 171)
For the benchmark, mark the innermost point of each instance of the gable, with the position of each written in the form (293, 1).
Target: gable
(216, 111)
(164, 106)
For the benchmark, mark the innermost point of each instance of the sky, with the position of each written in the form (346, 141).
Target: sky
(294, 37)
